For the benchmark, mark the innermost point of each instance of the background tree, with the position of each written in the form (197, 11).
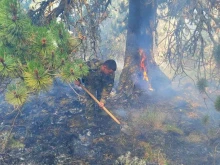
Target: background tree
(191, 28)
(191, 34)
(191, 41)
(188, 41)
(140, 29)
(113, 30)
(82, 17)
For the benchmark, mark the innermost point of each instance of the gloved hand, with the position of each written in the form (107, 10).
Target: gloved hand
(101, 104)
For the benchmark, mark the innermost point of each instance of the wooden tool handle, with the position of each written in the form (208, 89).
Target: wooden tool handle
(104, 108)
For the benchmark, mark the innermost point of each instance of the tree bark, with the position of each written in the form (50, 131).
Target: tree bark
(141, 21)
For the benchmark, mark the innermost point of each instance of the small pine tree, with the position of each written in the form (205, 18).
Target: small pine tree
(34, 55)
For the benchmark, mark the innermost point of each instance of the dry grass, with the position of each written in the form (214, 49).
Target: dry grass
(74, 123)
(151, 117)
(192, 115)
(64, 101)
(195, 137)
(152, 155)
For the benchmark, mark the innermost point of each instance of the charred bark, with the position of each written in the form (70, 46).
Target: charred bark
(140, 36)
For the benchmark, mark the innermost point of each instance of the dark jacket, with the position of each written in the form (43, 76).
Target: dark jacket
(98, 80)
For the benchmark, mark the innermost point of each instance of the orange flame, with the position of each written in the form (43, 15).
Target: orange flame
(142, 65)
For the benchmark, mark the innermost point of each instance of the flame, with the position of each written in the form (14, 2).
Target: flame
(144, 67)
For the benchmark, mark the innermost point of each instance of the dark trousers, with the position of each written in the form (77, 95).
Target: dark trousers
(92, 108)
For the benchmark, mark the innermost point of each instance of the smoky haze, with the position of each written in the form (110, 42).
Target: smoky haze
(175, 106)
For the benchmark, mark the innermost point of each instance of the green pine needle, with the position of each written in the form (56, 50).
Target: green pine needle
(81, 67)
(36, 77)
(16, 94)
(7, 66)
(70, 73)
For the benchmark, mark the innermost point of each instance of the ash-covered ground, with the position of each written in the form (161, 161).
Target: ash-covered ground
(51, 130)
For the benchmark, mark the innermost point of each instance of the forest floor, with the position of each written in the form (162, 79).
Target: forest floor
(175, 128)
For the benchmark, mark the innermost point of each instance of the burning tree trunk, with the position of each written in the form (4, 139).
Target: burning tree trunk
(140, 72)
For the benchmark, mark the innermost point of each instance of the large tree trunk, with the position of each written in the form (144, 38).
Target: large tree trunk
(140, 36)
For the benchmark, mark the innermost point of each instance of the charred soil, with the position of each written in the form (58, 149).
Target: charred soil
(52, 130)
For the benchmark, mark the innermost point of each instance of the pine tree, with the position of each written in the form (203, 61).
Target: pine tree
(32, 56)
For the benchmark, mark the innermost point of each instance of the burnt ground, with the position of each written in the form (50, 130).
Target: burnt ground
(51, 130)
